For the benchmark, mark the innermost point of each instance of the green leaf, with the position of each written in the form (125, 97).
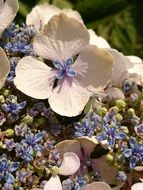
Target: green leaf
(62, 4)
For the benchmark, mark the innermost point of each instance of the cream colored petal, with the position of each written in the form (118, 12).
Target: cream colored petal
(101, 165)
(8, 11)
(34, 78)
(73, 14)
(114, 93)
(54, 183)
(134, 59)
(70, 164)
(4, 67)
(69, 146)
(69, 97)
(137, 186)
(63, 37)
(121, 65)
(87, 144)
(99, 41)
(94, 67)
(40, 15)
(97, 186)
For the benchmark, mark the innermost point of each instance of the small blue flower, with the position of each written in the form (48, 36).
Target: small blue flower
(139, 129)
(67, 184)
(121, 176)
(110, 134)
(6, 168)
(9, 143)
(13, 63)
(135, 153)
(24, 151)
(64, 68)
(80, 182)
(87, 126)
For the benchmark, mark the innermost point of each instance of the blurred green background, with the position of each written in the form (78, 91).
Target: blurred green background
(119, 21)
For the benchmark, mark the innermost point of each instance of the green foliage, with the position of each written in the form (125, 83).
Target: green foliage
(119, 21)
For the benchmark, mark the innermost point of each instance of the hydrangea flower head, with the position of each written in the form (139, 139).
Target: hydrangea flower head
(62, 39)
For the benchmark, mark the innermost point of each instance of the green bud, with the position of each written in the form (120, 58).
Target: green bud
(102, 111)
(41, 120)
(109, 158)
(2, 99)
(125, 129)
(6, 92)
(115, 109)
(27, 119)
(54, 170)
(1, 144)
(119, 117)
(131, 111)
(9, 132)
(120, 104)
(16, 185)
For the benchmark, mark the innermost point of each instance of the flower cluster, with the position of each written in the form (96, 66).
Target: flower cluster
(92, 124)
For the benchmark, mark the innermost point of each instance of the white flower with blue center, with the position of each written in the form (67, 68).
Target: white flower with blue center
(76, 66)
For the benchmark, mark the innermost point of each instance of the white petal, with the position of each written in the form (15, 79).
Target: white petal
(99, 41)
(94, 67)
(63, 38)
(70, 164)
(4, 67)
(103, 167)
(134, 59)
(114, 93)
(96, 186)
(34, 78)
(73, 14)
(8, 11)
(69, 146)
(69, 97)
(137, 186)
(121, 65)
(54, 183)
(40, 15)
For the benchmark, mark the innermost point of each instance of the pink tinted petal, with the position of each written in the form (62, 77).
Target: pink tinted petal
(87, 144)
(40, 15)
(69, 97)
(63, 37)
(4, 67)
(105, 169)
(69, 146)
(97, 186)
(54, 183)
(137, 186)
(34, 78)
(114, 93)
(70, 164)
(94, 67)
(8, 12)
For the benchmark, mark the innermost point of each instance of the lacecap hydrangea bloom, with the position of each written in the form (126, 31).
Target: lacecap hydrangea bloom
(75, 66)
